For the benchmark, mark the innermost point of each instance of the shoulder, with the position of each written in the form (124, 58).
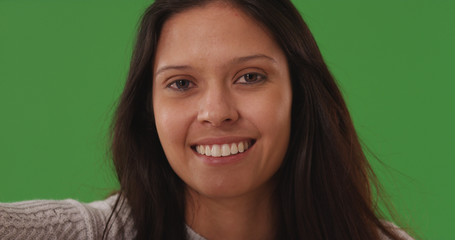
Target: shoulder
(41, 218)
(403, 235)
(63, 219)
(117, 219)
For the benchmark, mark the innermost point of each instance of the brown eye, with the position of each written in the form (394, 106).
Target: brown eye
(251, 78)
(181, 85)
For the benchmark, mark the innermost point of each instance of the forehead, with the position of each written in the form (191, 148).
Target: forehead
(214, 31)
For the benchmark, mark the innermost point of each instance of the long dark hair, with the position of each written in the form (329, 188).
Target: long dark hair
(325, 181)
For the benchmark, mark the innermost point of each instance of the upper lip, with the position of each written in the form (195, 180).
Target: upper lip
(221, 140)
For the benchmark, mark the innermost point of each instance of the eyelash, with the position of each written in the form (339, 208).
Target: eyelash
(173, 85)
(188, 84)
(261, 77)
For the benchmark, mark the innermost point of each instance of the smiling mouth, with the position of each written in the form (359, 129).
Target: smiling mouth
(223, 150)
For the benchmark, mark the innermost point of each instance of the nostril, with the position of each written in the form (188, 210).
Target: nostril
(217, 114)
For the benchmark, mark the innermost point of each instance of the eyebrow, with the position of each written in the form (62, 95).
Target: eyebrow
(235, 61)
(251, 57)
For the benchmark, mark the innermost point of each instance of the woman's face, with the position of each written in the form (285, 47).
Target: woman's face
(222, 101)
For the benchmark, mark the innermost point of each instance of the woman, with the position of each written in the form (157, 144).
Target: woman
(230, 126)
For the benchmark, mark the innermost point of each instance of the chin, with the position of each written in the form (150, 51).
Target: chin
(220, 189)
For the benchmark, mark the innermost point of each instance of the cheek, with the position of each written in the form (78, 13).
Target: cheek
(172, 122)
(271, 112)
(271, 115)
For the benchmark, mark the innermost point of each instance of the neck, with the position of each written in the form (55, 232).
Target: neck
(252, 216)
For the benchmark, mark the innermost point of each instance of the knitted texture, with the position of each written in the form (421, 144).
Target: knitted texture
(72, 220)
(64, 219)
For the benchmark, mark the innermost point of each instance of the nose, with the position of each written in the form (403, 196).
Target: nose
(217, 107)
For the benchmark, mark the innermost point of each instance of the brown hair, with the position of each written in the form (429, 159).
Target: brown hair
(324, 183)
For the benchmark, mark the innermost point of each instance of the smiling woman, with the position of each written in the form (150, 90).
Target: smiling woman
(230, 84)
(230, 126)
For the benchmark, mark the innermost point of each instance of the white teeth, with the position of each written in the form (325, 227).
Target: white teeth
(216, 150)
(208, 152)
(224, 150)
(201, 149)
(234, 149)
(241, 147)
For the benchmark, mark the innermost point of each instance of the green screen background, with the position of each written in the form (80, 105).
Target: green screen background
(63, 66)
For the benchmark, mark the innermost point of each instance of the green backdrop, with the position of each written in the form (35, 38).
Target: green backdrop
(63, 66)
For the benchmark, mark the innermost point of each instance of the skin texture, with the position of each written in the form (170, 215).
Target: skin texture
(201, 96)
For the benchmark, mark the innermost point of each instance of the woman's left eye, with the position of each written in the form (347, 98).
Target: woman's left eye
(181, 85)
(251, 78)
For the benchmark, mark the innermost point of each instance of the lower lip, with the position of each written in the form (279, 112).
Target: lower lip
(218, 161)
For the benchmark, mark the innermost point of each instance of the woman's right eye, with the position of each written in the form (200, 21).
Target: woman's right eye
(181, 85)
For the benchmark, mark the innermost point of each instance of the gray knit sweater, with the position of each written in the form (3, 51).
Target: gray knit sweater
(72, 220)
(66, 219)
